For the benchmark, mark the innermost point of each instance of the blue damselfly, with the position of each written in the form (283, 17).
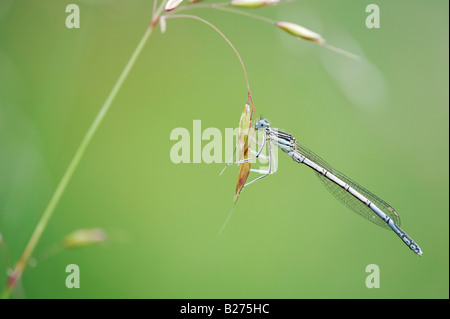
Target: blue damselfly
(343, 188)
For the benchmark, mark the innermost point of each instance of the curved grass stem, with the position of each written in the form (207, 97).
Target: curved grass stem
(250, 100)
(187, 16)
(224, 6)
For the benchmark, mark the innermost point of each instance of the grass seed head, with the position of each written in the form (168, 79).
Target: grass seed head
(243, 149)
(253, 3)
(300, 32)
(172, 4)
(84, 237)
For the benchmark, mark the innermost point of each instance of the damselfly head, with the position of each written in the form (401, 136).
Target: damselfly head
(262, 124)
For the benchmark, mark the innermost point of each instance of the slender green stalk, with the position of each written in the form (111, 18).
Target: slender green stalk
(21, 264)
(172, 16)
(224, 6)
(5, 253)
(250, 99)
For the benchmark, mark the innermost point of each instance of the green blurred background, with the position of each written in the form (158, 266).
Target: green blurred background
(383, 121)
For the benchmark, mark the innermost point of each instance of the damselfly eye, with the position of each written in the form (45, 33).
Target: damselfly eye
(262, 124)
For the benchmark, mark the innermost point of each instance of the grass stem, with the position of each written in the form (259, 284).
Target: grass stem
(42, 224)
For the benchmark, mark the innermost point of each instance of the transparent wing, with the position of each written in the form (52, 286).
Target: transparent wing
(348, 199)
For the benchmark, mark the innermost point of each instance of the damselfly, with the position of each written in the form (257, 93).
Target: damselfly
(343, 188)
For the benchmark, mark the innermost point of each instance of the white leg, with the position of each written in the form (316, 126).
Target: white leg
(274, 162)
(252, 158)
(226, 164)
(267, 173)
(264, 157)
(259, 171)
